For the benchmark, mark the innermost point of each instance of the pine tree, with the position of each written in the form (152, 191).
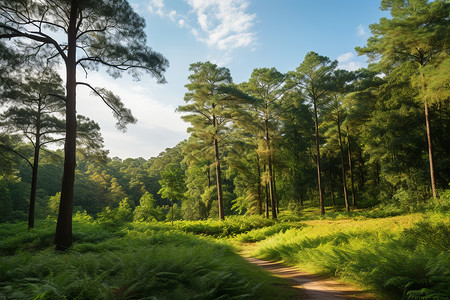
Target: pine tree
(95, 33)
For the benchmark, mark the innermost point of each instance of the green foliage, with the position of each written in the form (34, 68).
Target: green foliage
(177, 213)
(147, 209)
(103, 265)
(257, 235)
(229, 227)
(113, 218)
(399, 256)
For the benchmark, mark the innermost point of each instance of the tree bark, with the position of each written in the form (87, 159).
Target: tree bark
(361, 168)
(319, 180)
(429, 139)
(351, 168)
(275, 189)
(430, 151)
(260, 202)
(270, 172)
(219, 180)
(267, 196)
(63, 235)
(344, 179)
(37, 147)
(331, 183)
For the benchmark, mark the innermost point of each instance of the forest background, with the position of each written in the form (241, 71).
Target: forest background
(367, 126)
(343, 173)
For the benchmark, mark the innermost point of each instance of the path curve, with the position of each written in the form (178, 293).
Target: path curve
(310, 286)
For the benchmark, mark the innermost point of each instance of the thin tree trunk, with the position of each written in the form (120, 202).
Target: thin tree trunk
(271, 188)
(37, 147)
(361, 168)
(319, 180)
(331, 183)
(430, 151)
(344, 179)
(377, 173)
(267, 196)
(260, 202)
(429, 140)
(275, 191)
(63, 234)
(351, 169)
(219, 180)
(172, 213)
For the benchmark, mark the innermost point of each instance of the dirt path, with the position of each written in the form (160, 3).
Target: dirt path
(310, 286)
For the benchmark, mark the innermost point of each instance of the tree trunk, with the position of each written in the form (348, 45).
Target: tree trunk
(331, 183)
(172, 213)
(429, 140)
(351, 169)
(219, 180)
(260, 202)
(319, 180)
(37, 148)
(430, 151)
(267, 196)
(344, 179)
(271, 188)
(275, 190)
(63, 235)
(361, 168)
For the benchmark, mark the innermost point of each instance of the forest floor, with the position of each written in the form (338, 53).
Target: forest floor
(307, 285)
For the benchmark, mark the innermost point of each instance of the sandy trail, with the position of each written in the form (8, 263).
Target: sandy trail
(309, 286)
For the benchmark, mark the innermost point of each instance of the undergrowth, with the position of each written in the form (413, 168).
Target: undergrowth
(136, 262)
(403, 257)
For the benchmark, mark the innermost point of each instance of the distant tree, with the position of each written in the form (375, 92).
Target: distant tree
(267, 86)
(87, 34)
(312, 77)
(339, 87)
(418, 33)
(147, 209)
(172, 184)
(35, 110)
(210, 109)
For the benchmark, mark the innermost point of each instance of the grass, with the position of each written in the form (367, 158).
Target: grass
(139, 261)
(398, 257)
(395, 256)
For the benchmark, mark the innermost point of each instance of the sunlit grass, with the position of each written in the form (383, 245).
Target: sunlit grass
(397, 256)
(141, 260)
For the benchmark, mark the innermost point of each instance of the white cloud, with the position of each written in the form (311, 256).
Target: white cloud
(349, 62)
(225, 25)
(360, 31)
(345, 57)
(158, 126)
(157, 7)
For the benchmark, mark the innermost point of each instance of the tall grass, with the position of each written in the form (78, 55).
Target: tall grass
(230, 227)
(400, 257)
(127, 264)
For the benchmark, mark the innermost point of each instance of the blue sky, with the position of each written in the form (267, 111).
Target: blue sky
(238, 34)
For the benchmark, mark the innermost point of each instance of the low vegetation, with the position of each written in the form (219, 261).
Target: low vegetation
(403, 256)
(139, 260)
(397, 257)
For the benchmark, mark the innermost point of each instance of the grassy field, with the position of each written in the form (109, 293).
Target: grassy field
(399, 256)
(136, 261)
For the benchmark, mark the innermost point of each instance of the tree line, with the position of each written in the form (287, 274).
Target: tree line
(316, 135)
